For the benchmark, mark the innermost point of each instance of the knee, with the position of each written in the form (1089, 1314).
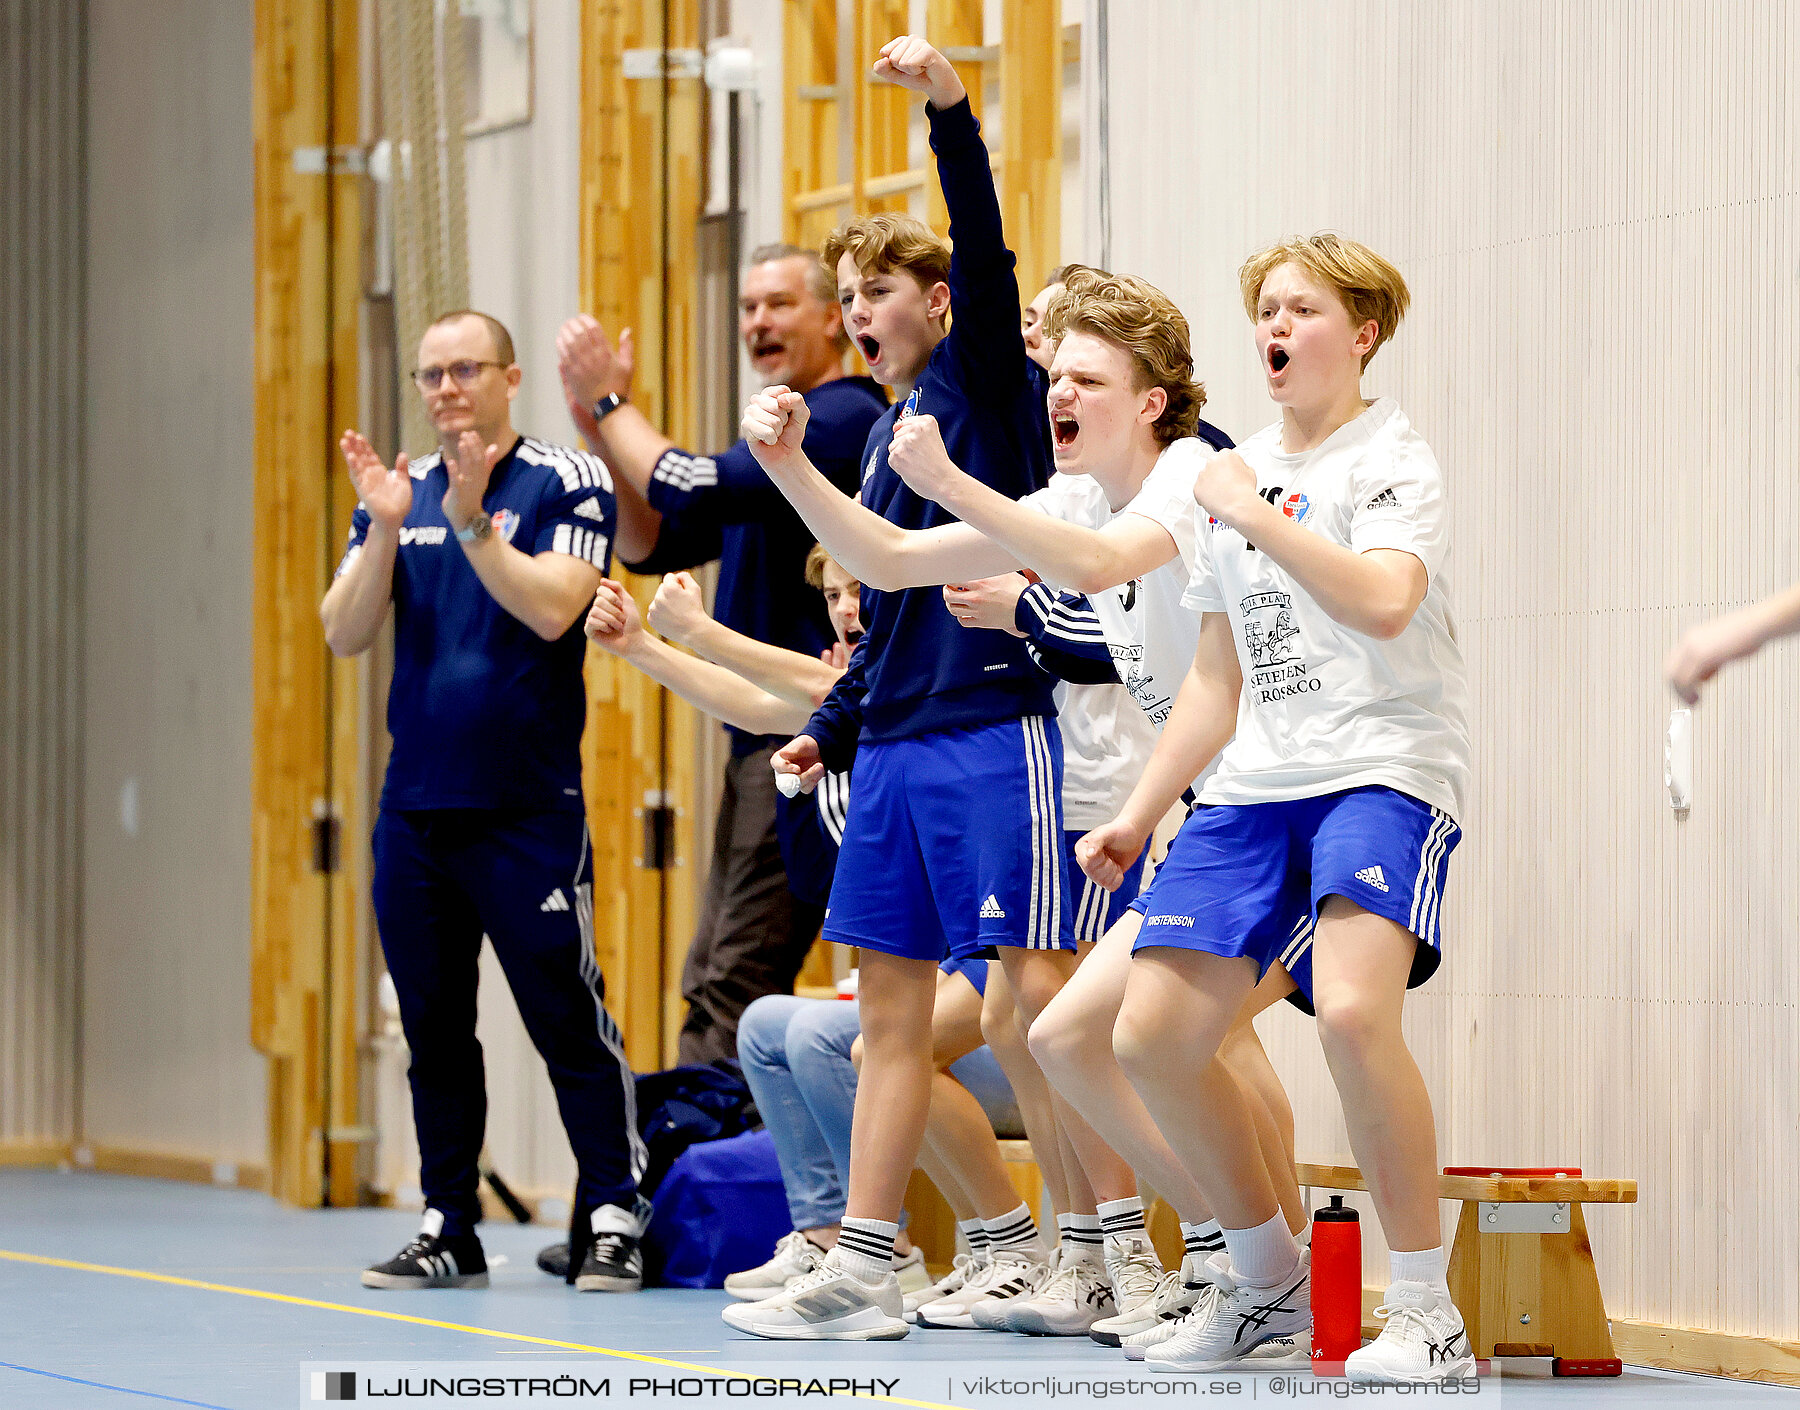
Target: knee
(762, 1031)
(1352, 1028)
(824, 1031)
(1062, 1042)
(1141, 1040)
(1000, 1029)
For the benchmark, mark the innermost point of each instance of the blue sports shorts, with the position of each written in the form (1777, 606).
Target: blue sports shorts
(954, 842)
(1248, 879)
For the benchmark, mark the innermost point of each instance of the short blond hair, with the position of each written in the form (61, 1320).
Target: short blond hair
(1138, 317)
(1367, 285)
(815, 566)
(502, 340)
(887, 243)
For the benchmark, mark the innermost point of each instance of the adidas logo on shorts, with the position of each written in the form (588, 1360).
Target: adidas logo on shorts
(1373, 876)
(556, 901)
(990, 909)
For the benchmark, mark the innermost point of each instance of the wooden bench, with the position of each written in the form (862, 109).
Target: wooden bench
(1521, 1269)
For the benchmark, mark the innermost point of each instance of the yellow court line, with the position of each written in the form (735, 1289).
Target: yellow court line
(289, 1298)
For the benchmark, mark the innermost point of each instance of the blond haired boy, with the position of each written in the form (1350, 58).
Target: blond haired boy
(1323, 836)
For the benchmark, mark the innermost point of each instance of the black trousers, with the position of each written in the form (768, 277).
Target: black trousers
(444, 878)
(753, 934)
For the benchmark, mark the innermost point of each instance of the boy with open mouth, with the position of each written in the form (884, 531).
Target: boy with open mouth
(953, 836)
(1322, 839)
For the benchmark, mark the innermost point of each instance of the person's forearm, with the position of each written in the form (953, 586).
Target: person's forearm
(803, 681)
(861, 542)
(357, 604)
(1355, 589)
(1778, 615)
(1084, 560)
(632, 446)
(540, 592)
(1200, 724)
(715, 690)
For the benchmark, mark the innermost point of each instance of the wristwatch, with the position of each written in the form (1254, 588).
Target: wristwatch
(476, 529)
(606, 406)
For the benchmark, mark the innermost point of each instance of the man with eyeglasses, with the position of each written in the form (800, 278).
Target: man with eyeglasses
(678, 509)
(489, 551)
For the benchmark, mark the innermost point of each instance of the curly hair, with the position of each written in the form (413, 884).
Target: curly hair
(1138, 317)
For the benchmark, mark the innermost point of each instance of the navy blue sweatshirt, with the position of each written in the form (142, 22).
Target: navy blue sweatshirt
(724, 507)
(916, 670)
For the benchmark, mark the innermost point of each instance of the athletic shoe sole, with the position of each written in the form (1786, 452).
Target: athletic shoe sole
(1392, 1378)
(888, 1329)
(372, 1279)
(607, 1283)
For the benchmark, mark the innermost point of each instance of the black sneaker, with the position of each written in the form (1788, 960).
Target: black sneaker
(554, 1259)
(614, 1262)
(432, 1261)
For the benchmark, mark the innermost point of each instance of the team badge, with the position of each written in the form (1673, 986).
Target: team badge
(506, 524)
(1295, 507)
(909, 407)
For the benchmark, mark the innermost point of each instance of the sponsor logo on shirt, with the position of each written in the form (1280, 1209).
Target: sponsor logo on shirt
(1387, 499)
(431, 533)
(589, 508)
(1272, 642)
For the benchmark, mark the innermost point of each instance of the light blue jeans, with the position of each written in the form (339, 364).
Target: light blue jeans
(796, 1058)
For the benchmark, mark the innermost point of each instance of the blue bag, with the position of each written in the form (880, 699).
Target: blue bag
(720, 1208)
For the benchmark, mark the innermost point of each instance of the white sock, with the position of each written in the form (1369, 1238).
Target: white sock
(1121, 1218)
(1082, 1235)
(865, 1248)
(1425, 1266)
(1202, 1241)
(1263, 1256)
(1015, 1229)
(976, 1233)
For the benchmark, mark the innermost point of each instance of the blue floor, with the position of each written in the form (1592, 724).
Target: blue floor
(76, 1337)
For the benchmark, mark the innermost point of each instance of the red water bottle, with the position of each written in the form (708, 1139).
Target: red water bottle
(1336, 1287)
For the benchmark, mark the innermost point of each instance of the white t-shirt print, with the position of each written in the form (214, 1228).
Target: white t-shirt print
(1149, 633)
(1324, 708)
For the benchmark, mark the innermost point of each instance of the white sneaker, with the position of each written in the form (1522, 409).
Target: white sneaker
(1153, 1320)
(964, 1267)
(1005, 1294)
(1424, 1340)
(1133, 1269)
(1074, 1297)
(1007, 1274)
(914, 1276)
(795, 1256)
(1225, 1329)
(827, 1304)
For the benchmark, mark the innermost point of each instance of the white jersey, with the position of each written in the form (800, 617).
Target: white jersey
(1325, 708)
(1106, 743)
(1148, 632)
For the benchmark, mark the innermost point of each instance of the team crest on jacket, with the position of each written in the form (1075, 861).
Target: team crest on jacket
(506, 524)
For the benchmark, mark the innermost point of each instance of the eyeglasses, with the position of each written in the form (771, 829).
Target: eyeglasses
(463, 371)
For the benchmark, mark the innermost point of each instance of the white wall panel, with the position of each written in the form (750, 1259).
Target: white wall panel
(1595, 203)
(42, 242)
(167, 1058)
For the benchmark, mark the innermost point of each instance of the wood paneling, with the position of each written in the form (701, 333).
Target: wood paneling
(1031, 168)
(43, 247)
(308, 269)
(1595, 206)
(639, 270)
